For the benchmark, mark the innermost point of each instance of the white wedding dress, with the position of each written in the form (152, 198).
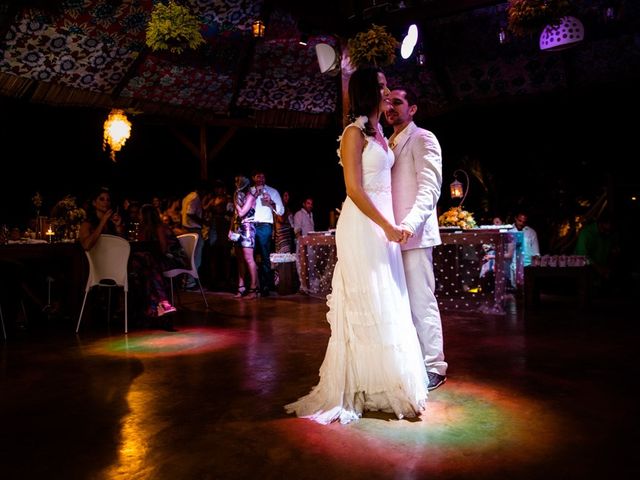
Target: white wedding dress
(373, 360)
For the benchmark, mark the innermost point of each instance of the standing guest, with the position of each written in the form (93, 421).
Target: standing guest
(172, 215)
(220, 211)
(530, 247)
(285, 240)
(243, 225)
(416, 179)
(508, 255)
(373, 360)
(193, 221)
(599, 242)
(303, 219)
(268, 203)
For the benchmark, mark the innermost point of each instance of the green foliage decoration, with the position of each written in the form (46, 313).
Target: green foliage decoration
(528, 17)
(374, 47)
(173, 27)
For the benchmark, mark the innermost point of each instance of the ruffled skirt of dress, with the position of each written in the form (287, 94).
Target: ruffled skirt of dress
(373, 360)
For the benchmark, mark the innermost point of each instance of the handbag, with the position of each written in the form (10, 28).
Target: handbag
(234, 230)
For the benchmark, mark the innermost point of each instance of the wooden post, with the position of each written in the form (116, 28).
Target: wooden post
(204, 174)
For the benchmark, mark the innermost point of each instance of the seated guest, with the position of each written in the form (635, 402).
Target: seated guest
(170, 252)
(144, 272)
(101, 218)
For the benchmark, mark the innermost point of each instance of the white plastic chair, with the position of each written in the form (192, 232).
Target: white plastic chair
(188, 242)
(108, 261)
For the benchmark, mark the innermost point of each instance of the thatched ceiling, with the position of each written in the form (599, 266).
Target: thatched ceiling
(93, 53)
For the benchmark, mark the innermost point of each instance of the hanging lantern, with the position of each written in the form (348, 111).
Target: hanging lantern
(117, 129)
(456, 189)
(257, 28)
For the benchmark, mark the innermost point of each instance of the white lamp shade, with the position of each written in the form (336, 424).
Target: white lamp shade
(327, 57)
(564, 34)
(409, 42)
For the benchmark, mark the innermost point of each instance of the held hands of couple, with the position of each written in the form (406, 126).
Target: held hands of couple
(397, 234)
(406, 235)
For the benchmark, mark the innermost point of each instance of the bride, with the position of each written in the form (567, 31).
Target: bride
(373, 360)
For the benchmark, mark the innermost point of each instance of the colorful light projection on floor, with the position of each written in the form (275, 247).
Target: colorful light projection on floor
(465, 428)
(188, 341)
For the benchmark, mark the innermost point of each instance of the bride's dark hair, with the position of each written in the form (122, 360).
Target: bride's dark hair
(364, 95)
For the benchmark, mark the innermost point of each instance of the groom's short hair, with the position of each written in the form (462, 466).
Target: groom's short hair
(412, 98)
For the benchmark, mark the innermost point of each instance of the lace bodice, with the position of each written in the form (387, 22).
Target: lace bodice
(376, 162)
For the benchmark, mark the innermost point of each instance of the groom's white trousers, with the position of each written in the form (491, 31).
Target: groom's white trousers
(421, 285)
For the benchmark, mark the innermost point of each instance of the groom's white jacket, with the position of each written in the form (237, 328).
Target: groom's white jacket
(416, 179)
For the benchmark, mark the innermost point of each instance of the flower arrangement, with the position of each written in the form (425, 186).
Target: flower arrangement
(531, 16)
(456, 217)
(173, 27)
(374, 47)
(66, 217)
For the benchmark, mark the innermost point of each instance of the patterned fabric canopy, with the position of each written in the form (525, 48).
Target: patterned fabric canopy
(98, 47)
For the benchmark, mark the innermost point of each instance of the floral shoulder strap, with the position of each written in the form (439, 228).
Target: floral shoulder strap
(358, 122)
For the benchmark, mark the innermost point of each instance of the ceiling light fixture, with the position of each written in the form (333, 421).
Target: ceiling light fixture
(117, 129)
(566, 33)
(258, 28)
(328, 58)
(409, 42)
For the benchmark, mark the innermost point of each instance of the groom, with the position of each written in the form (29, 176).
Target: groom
(416, 178)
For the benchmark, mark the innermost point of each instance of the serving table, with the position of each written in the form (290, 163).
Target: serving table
(317, 258)
(62, 263)
(472, 267)
(475, 268)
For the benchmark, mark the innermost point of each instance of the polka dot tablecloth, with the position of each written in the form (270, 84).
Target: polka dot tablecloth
(474, 268)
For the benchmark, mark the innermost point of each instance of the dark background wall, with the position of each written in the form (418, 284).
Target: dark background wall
(552, 155)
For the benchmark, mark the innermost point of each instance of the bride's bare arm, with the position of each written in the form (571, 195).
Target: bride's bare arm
(351, 149)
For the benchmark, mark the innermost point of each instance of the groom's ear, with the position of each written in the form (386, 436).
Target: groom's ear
(413, 109)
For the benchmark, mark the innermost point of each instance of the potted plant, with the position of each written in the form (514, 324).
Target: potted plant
(374, 47)
(527, 17)
(173, 27)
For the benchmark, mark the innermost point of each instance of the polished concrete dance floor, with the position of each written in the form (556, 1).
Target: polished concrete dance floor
(531, 395)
